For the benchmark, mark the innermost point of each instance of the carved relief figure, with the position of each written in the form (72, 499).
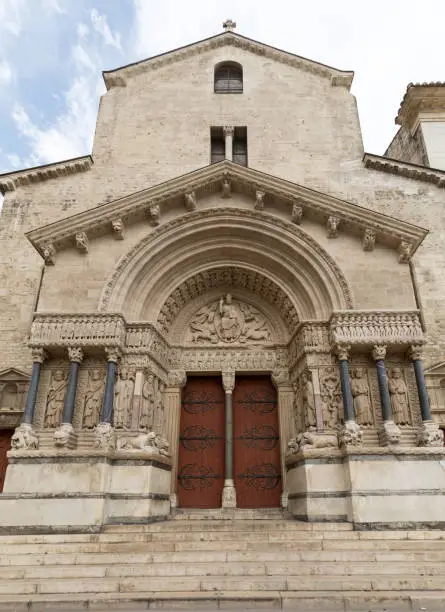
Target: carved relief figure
(123, 397)
(93, 399)
(227, 321)
(331, 398)
(310, 419)
(399, 397)
(360, 393)
(55, 399)
(158, 417)
(148, 403)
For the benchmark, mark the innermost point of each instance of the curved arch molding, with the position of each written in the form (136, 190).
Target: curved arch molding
(307, 282)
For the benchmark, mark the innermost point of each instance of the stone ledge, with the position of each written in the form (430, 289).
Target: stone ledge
(89, 456)
(11, 180)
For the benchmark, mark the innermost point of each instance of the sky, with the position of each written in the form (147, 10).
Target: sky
(52, 53)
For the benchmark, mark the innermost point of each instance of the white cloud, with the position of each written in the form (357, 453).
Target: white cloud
(11, 15)
(53, 5)
(101, 26)
(5, 73)
(82, 30)
(14, 160)
(82, 59)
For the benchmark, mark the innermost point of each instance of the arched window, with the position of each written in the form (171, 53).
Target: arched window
(229, 78)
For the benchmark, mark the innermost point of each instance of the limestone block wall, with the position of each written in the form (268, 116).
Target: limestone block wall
(408, 148)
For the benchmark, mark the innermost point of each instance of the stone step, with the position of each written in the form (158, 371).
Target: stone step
(104, 585)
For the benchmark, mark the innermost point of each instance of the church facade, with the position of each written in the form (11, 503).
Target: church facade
(228, 304)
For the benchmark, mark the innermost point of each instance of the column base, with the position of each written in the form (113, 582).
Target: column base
(284, 499)
(65, 436)
(429, 434)
(229, 494)
(350, 435)
(389, 434)
(105, 437)
(24, 438)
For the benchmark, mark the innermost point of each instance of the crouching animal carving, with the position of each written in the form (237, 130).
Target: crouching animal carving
(147, 442)
(24, 438)
(312, 439)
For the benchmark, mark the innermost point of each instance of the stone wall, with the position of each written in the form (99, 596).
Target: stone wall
(300, 128)
(408, 148)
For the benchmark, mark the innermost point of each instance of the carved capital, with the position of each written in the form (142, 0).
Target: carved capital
(176, 378)
(368, 241)
(405, 251)
(228, 381)
(228, 130)
(81, 241)
(280, 378)
(118, 229)
(113, 353)
(154, 214)
(379, 352)
(39, 355)
(342, 351)
(49, 253)
(332, 226)
(415, 351)
(226, 191)
(190, 201)
(259, 201)
(297, 213)
(75, 354)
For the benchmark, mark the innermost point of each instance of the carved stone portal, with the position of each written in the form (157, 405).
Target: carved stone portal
(228, 321)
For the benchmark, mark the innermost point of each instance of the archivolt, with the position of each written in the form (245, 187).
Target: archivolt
(254, 242)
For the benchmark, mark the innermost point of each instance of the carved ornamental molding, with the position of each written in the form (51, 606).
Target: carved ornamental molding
(420, 173)
(11, 180)
(370, 328)
(227, 277)
(117, 78)
(147, 205)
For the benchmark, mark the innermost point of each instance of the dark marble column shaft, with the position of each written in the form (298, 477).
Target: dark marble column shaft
(348, 402)
(70, 395)
(107, 407)
(28, 415)
(379, 354)
(424, 400)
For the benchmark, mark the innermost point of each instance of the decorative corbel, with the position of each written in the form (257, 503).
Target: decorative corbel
(368, 241)
(226, 187)
(154, 214)
(118, 229)
(332, 226)
(228, 380)
(297, 213)
(190, 201)
(405, 251)
(259, 202)
(49, 253)
(81, 241)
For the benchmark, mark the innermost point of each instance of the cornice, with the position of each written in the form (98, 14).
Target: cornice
(117, 77)
(147, 205)
(420, 97)
(413, 171)
(11, 180)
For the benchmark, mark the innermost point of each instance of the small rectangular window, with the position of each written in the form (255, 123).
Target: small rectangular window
(217, 145)
(239, 153)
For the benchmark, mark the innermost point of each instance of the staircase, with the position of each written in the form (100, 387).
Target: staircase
(224, 559)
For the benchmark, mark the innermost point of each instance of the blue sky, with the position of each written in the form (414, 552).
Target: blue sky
(52, 53)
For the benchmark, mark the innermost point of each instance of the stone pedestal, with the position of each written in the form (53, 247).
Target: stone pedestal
(389, 434)
(229, 494)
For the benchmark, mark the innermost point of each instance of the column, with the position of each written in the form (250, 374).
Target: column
(281, 380)
(228, 132)
(429, 433)
(389, 433)
(65, 435)
(24, 436)
(105, 436)
(229, 493)
(176, 381)
(350, 433)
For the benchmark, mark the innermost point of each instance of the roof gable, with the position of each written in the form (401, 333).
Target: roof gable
(119, 76)
(226, 178)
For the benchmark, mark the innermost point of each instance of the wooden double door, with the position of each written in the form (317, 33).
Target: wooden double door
(256, 444)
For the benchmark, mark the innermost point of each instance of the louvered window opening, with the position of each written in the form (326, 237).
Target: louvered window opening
(240, 152)
(228, 79)
(218, 147)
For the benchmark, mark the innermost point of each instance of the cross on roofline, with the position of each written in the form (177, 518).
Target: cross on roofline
(229, 25)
